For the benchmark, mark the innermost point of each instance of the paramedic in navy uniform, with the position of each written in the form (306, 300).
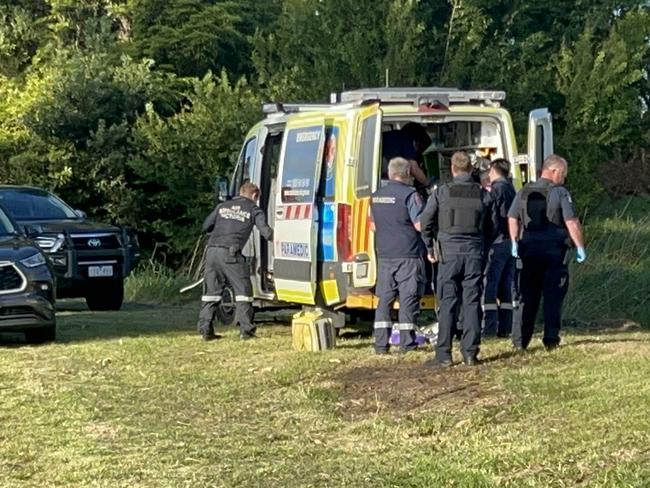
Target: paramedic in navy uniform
(395, 211)
(230, 225)
(458, 215)
(541, 220)
(500, 271)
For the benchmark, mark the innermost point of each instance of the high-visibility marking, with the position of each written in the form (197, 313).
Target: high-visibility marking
(405, 326)
(210, 298)
(299, 211)
(383, 325)
(243, 298)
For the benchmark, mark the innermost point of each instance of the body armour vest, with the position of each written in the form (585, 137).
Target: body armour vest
(234, 223)
(462, 211)
(395, 236)
(541, 220)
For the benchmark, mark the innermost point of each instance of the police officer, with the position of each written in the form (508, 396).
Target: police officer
(456, 216)
(230, 225)
(500, 270)
(395, 211)
(541, 220)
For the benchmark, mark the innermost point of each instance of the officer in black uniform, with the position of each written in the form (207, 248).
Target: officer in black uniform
(395, 211)
(230, 225)
(456, 215)
(541, 220)
(500, 271)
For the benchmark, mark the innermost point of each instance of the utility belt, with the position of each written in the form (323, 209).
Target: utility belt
(233, 253)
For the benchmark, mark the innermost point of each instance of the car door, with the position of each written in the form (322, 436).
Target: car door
(540, 140)
(296, 214)
(368, 165)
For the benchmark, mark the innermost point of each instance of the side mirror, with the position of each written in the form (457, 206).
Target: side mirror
(221, 189)
(81, 214)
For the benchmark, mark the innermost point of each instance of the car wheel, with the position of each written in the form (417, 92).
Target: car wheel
(226, 307)
(107, 295)
(41, 335)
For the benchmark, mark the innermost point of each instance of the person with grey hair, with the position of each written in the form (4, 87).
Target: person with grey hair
(543, 222)
(395, 211)
(455, 225)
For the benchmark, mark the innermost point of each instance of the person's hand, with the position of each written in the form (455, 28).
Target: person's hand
(581, 255)
(515, 250)
(431, 257)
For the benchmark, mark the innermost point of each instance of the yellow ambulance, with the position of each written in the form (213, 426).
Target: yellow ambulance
(318, 164)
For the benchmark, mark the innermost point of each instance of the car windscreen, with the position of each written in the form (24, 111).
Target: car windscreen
(6, 227)
(35, 205)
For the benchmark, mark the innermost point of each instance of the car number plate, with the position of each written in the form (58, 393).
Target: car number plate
(100, 271)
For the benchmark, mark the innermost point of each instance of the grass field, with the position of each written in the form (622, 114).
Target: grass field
(135, 399)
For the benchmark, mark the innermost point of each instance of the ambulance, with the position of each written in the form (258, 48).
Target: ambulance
(317, 166)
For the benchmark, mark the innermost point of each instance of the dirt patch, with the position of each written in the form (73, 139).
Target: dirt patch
(406, 388)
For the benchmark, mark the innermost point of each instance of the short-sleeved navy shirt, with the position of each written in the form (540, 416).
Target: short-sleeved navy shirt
(394, 144)
(559, 201)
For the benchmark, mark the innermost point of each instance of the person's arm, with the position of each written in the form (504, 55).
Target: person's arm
(575, 231)
(210, 220)
(429, 222)
(513, 228)
(260, 222)
(415, 205)
(418, 174)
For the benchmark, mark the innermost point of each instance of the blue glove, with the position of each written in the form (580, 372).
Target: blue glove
(515, 250)
(581, 255)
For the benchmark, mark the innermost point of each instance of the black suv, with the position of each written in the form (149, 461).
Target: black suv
(26, 286)
(90, 260)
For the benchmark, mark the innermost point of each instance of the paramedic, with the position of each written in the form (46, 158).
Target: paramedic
(230, 225)
(408, 144)
(500, 271)
(456, 216)
(541, 220)
(395, 212)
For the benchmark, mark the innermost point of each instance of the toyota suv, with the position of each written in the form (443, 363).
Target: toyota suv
(90, 259)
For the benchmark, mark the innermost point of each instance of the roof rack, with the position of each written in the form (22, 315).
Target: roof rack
(422, 95)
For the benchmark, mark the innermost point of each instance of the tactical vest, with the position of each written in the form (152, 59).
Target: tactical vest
(395, 236)
(462, 211)
(536, 214)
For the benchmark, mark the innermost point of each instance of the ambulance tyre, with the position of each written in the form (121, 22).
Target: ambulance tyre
(226, 308)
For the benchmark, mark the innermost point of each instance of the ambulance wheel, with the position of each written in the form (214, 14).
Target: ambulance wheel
(226, 308)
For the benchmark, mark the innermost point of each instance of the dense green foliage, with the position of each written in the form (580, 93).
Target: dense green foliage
(130, 108)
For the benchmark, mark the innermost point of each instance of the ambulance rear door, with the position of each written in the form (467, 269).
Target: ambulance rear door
(367, 173)
(540, 140)
(296, 214)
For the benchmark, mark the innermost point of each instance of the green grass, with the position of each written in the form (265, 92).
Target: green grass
(134, 398)
(614, 282)
(155, 283)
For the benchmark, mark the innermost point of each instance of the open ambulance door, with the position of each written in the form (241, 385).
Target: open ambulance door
(540, 140)
(367, 173)
(295, 229)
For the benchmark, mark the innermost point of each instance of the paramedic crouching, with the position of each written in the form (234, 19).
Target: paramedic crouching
(230, 225)
(395, 211)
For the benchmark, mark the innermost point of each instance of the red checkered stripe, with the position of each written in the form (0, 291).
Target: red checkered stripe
(298, 211)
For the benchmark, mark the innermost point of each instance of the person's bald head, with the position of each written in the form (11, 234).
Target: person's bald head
(555, 168)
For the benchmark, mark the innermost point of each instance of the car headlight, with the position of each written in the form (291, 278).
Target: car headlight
(33, 261)
(50, 243)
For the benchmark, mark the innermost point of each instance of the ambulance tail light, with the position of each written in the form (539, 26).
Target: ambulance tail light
(344, 232)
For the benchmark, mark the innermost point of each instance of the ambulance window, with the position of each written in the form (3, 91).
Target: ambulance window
(366, 162)
(299, 165)
(245, 165)
(327, 185)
